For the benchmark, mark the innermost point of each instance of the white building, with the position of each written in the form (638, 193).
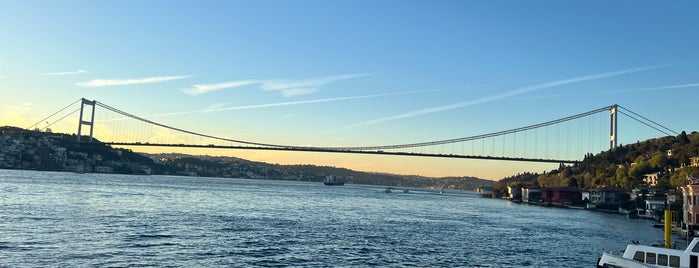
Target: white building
(690, 204)
(651, 179)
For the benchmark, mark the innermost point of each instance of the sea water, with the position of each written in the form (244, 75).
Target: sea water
(104, 220)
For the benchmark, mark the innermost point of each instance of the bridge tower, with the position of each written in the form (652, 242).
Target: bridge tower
(82, 122)
(613, 134)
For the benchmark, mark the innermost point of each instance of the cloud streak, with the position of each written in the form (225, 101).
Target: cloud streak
(656, 88)
(502, 95)
(206, 88)
(270, 85)
(288, 88)
(65, 73)
(213, 107)
(20, 108)
(280, 104)
(122, 82)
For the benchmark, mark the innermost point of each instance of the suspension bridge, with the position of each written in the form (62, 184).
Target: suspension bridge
(542, 142)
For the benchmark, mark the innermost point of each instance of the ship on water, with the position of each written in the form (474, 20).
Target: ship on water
(333, 181)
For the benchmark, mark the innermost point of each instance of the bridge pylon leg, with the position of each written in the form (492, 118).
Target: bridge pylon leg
(82, 122)
(613, 130)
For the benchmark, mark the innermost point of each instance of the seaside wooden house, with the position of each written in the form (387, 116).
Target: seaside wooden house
(531, 194)
(561, 196)
(610, 198)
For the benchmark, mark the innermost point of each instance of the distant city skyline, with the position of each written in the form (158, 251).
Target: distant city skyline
(346, 73)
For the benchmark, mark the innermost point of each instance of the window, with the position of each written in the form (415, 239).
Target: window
(662, 259)
(674, 261)
(639, 256)
(650, 258)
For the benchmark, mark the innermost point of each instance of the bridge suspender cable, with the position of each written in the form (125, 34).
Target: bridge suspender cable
(182, 130)
(364, 148)
(385, 147)
(477, 137)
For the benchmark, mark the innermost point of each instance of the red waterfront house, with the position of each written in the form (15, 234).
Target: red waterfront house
(561, 196)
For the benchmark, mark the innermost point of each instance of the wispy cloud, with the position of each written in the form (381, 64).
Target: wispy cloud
(206, 88)
(19, 108)
(656, 88)
(297, 91)
(308, 83)
(213, 107)
(504, 95)
(66, 73)
(290, 103)
(122, 82)
(288, 88)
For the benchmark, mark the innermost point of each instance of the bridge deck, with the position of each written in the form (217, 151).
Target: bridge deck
(323, 150)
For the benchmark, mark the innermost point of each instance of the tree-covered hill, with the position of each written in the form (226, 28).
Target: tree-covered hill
(623, 166)
(219, 166)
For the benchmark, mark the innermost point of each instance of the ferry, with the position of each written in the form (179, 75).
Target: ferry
(333, 181)
(637, 255)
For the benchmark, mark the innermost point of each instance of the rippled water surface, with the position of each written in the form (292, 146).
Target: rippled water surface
(66, 219)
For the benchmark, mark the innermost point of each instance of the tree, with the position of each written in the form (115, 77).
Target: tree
(622, 175)
(588, 180)
(682, 138)
(658, 161)
(572, 182)
(678, 178)
(637, 171)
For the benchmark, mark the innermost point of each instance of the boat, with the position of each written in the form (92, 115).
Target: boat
(633, 214)
(333, 181)
(637, 255)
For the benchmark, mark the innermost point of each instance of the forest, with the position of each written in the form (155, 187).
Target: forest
(623, 166)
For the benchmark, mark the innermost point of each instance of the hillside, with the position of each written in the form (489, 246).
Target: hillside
(25, 149)
(218, 166)
(623, 166)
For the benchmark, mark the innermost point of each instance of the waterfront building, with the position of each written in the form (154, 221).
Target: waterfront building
(531, 195)
(640, 192)
(651, 179)
(611, 198)
(585, 195)
(654, 208)
(514, 193)
(485, 191)
(690, 205)
(560, 196)
(103, 169)
(694, 161)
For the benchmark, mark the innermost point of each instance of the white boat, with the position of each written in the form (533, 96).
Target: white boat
(636, 255)
(333, 181)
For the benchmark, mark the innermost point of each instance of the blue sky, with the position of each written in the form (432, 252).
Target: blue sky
(334, 73)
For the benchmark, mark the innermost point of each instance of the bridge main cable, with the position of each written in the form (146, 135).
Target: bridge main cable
(648, 120)
(477, 137)
(182, 130)
(61, 110)
(364, 148)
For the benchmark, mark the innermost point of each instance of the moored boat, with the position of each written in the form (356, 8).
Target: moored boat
(636, 255)
(658, 225)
